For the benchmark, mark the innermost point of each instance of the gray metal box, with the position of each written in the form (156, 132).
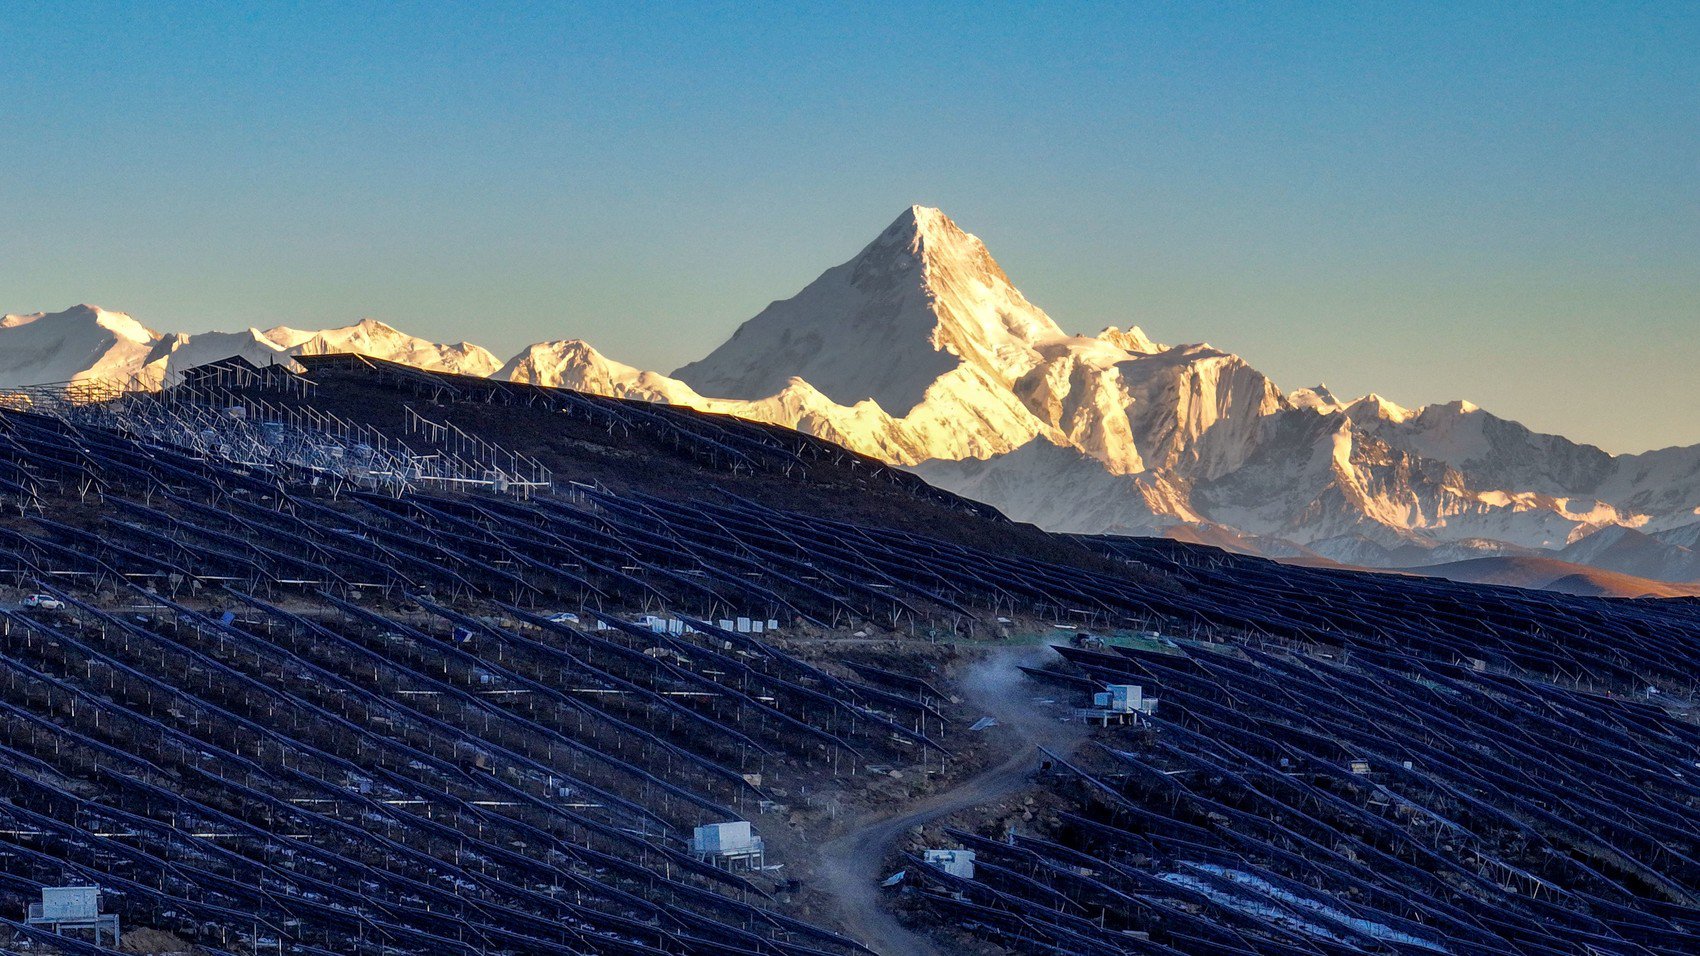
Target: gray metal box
(69, 903)
(724, 837)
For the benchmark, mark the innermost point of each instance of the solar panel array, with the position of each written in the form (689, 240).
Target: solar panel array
(231, 733)
(1285, 803)
(1366, 764)
(341, 720)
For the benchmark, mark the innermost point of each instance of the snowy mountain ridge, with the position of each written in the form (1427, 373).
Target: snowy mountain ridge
(89, 342)
(920, 351)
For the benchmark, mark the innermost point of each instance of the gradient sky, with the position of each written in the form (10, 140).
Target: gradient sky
(1429, 201)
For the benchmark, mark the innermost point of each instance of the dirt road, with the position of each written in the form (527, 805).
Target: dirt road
(849, 866)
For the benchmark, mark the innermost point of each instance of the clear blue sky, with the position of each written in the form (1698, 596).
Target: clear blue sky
(1492, 201)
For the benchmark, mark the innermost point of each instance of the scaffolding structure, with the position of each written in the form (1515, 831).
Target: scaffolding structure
(217, 412)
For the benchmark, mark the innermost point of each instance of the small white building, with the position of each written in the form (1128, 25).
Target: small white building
(1122, 698)
(73, 907)
(955, 862)
(1118, 703)
(732, 845)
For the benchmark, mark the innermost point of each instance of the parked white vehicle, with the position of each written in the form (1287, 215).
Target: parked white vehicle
(46, 602)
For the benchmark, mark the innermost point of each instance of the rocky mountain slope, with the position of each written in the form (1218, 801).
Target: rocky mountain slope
(1552, 574)
(921, 351)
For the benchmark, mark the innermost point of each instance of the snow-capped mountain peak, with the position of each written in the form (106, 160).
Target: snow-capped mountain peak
(1131, 339)
(1190, 433)
(119, 323)
(922, 300)
(1378, 407)
(86, 341)
(1317, 397)
(921, 351)
(371, 337)
(575, 364)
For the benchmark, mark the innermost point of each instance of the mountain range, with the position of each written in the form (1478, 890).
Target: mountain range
(920, 351)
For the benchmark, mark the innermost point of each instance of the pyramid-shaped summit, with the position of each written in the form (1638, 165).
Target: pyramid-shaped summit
(915, 303)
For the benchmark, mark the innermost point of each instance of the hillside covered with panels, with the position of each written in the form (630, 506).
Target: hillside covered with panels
(1368, 764)
(373, 660)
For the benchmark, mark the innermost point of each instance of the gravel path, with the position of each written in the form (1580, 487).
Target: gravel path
(849, 867)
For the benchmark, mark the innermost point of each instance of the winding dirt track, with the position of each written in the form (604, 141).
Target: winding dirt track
(849, 866)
